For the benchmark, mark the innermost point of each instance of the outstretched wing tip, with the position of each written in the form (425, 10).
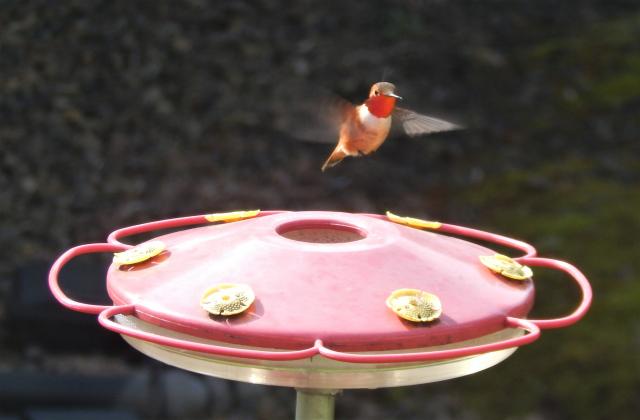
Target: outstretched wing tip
(414, 124)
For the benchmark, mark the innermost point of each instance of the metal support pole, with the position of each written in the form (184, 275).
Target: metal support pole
(315, 404)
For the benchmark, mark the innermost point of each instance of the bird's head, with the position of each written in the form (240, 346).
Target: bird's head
(383, 89)
(382, 99)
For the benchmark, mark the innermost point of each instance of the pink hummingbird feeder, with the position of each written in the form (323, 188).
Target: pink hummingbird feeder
(320, 301)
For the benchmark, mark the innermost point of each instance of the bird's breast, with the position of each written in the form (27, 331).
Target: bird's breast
(372, 123)
(364, 133)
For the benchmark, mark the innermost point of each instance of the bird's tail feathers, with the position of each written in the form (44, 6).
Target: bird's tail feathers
(334, 158)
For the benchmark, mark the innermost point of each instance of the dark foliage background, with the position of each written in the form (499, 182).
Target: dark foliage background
(114, 113)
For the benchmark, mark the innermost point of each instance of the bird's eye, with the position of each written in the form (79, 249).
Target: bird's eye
(376, 93)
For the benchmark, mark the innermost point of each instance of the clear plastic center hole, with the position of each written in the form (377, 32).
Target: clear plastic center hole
(321, 232)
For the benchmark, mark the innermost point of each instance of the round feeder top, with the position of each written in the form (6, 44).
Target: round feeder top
(318, 276)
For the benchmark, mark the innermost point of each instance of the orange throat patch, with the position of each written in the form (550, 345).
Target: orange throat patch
(381, 106)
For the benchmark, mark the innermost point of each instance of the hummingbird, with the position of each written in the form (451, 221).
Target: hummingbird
(363, 128)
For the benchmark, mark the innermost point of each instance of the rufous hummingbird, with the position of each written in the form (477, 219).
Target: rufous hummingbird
(364, 127)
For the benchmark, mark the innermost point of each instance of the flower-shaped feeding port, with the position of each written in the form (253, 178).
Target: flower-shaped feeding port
(232, 216)
(415, 305)
(413, 222)
(506, 266)
(227, 299)
(139, 253)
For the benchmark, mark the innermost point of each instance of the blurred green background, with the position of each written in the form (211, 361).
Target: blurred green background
(114, 113)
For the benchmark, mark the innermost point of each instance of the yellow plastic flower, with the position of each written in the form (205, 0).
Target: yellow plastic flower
(506, 266)
(415, 305)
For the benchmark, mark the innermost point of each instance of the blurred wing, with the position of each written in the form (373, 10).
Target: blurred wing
(315, 117)
(415, 124)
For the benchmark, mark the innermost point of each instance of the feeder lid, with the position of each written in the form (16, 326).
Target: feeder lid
(320, 275)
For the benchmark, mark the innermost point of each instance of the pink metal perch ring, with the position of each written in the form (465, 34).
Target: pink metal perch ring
(320, 280)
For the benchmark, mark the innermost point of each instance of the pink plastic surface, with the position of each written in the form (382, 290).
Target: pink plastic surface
(320, 298)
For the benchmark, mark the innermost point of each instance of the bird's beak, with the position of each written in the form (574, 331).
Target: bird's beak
(393, 95)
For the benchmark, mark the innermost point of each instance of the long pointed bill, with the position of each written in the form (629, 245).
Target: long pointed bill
(393, 95)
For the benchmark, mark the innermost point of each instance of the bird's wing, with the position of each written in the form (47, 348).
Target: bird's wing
(315, 117)
(415, 124)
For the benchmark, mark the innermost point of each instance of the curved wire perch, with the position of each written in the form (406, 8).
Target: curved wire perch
(54, 285)
(105, 320)
(318, 347)
(528, 249)
(530, 327)
(115, 236)
(580, 279)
